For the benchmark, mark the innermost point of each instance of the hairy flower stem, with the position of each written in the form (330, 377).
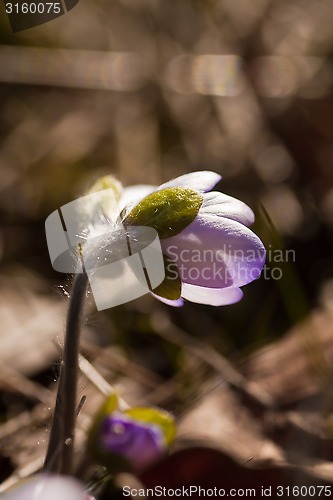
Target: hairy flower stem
(59, 457)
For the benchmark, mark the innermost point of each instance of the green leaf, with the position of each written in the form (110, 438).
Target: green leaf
(168, 211)
(156, 416)
(171, 286)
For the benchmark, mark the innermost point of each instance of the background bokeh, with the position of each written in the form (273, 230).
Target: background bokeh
(147, 90)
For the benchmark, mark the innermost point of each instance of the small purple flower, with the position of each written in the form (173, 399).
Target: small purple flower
(138, 442)
(216, 253)
(130, 439)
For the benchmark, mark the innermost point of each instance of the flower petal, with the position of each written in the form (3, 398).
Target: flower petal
(45, 486)
(216, 252)
(222, 205)
(211, 296)
(202, 181)
(174, 303)
(162, 419)
(139, 442)
(133, 194)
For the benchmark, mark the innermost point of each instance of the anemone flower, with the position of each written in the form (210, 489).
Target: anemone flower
(210, 250)
(205, 253)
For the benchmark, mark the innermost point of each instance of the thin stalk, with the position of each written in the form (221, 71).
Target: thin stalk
(52, 461)
(59, 457)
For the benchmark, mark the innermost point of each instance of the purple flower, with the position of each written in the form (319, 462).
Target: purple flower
(138, 442)
(133, 438)
(216, 253)
(48, 487)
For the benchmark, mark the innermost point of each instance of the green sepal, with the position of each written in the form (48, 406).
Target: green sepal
(107, 182)
(109, 406)
(168, 211)
(161, 418)
(171, 286)
(100, 201)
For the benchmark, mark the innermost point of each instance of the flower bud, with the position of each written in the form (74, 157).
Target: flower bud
(130, 440)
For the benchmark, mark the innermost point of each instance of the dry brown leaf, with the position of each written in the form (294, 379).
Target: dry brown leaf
(29, 321)
(299, 365)
(222, 420)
